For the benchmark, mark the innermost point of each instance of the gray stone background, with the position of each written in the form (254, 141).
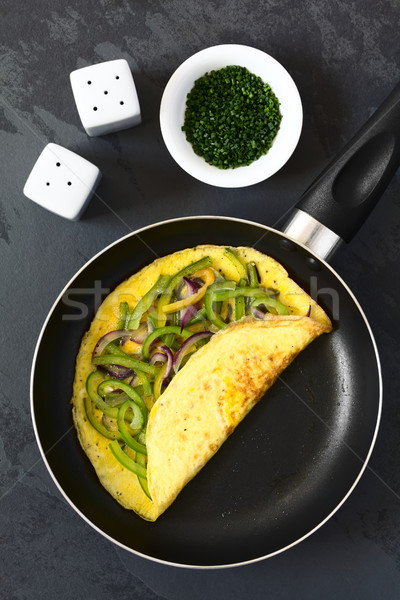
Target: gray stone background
(344, 57)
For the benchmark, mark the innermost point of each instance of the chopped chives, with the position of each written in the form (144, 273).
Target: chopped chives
(231, 117)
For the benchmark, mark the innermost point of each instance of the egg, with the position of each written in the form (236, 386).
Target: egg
(211, 393)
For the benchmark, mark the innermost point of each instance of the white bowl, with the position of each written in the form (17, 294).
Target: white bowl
(173, 105)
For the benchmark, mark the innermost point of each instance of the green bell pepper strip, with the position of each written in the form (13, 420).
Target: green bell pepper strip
(123, 315)
(257, 293)
(226, 287)
(137, 423)
(144, 303)
(198, 317)
(142, 437)
(165, 299)
(143, 378)
(111, 435)
(129, 391)
(92, 383)
(112, 348)
(240, 304)
(152, 317)
(127, 462)
(269, 302)
(158, 333)
(147, 391)
(141, 460)
(174, 320)
(145, 383)
(235, 260)
(245, 291)
(125, 361)
(115, 399)
(253, 275)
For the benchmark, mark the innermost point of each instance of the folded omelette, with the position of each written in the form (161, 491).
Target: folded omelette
(175, 357)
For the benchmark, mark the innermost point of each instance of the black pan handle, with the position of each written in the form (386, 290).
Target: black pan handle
(347, 190)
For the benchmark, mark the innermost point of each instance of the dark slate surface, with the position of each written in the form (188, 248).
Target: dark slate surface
(344, 57)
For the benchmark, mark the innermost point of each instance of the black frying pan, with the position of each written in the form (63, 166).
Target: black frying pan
(297, 456)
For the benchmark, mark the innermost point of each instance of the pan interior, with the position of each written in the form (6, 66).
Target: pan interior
(287, 466)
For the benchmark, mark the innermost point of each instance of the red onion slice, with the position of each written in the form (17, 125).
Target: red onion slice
(134, 380)
(117, 371)
(258, 313)
(170, 361)
(191, 288)
(187, 314)
(164, 354)
(193, 339)
(158, 357)
(309, 311)
(138, 336)
(150, 327)
(106, 339)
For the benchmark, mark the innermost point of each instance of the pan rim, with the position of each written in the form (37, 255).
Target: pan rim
(109, 537)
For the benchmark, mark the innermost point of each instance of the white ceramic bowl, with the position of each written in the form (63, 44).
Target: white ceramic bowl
(173, 105)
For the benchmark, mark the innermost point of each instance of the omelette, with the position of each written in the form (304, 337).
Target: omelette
(175, 358)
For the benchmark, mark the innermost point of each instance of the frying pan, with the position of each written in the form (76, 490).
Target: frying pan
(299, 453)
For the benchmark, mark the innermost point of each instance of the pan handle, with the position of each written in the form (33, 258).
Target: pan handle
(337, 203)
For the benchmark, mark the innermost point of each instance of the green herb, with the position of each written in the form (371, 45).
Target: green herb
(231, 117)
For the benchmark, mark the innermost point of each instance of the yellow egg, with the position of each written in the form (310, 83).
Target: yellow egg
(211, 393)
